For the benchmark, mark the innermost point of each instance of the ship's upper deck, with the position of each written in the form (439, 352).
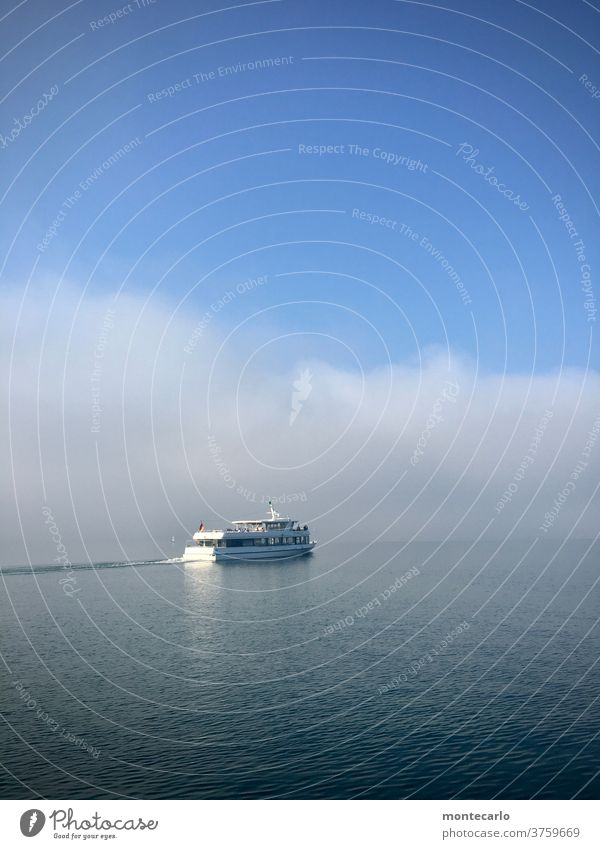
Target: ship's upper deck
(275, 522)
(266, 524)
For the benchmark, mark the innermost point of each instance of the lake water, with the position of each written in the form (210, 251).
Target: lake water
(394, 671)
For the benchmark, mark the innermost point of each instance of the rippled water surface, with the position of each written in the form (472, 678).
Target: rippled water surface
(418, 671)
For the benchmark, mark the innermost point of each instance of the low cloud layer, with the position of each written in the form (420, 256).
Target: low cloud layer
(129, 435)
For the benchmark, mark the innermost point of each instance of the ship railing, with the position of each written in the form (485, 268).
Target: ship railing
(191, 542)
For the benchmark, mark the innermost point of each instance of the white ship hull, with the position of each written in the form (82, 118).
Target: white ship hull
(199, 554)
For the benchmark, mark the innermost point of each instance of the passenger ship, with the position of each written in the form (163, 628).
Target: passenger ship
(251, 539)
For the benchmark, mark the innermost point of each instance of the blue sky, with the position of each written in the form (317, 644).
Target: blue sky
(389, 195)
(410, 80)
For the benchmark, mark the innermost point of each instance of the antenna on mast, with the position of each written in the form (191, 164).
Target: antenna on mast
(274, 515)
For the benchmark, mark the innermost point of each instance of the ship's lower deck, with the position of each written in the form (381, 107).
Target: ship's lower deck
(204, 554)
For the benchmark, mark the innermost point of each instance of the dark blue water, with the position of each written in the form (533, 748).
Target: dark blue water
(473, 677)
